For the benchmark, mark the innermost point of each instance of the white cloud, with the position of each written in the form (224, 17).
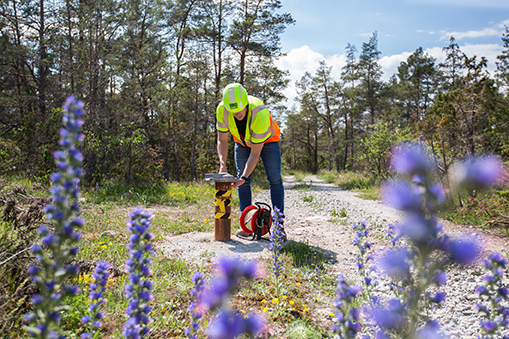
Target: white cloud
(304, 59)
(337, 61)
(502, 4)
(301, 60)
(437, 53)
(503, 24)
(495, 30)
(391, 63)
(471, 34)
(489, 51)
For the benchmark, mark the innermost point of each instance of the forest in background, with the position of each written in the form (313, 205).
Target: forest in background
(151, 74)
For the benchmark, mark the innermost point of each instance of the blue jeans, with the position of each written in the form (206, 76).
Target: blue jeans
(271, 158)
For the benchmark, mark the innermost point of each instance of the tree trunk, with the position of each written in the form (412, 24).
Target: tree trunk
(71, 52)
(42, 62)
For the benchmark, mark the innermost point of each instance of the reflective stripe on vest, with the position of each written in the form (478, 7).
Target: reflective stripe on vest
(225, 119)
(270, 131)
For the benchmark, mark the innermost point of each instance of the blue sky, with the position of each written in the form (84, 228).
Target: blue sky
(324, 27)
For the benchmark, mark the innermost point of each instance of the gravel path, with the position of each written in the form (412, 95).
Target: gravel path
(313, 209)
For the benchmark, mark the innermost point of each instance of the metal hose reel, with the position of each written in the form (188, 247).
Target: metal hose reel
(256, 220)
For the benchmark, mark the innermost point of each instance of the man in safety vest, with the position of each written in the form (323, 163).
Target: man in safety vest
(256, 135)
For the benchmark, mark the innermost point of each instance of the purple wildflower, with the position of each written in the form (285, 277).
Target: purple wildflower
(196, 314)
(362, 259)
(401, 196)
(395, 263)
(440, 278)
(418, 228)
(494, 292)
(393, 233)
(463, 251)
(478, 172)
(139, 288)
(347, 317)
(488, 326)
(497, 258)
(225, 283)
(410, 159)
(481, 290)
(60, 246)
(277, 239)
(431, 330)
(482, 308)
(389, 317)
(229, 324)
(97, 288)
(439, 297)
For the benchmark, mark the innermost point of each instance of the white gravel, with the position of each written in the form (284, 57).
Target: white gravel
(313, 208)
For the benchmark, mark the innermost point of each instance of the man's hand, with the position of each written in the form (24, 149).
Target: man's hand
(237, 183)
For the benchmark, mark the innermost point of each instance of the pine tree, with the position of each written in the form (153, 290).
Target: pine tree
(503, 63)
(418, 82)
(370, 73)
(256, 30)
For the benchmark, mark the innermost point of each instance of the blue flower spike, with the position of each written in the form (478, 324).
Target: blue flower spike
(138, 290)
(59, 239)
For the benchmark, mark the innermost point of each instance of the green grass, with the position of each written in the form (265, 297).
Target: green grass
(288, 302)
(366, 185)
(308, 198)
(302, 330)
(298, 175)
(487, 210)
(176, 194)
(291, 303)
(304, 255)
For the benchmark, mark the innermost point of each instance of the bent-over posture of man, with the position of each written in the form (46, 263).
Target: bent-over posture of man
(256, 135)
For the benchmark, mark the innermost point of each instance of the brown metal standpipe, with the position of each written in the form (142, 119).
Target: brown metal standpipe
(222, 221)
(223, 203)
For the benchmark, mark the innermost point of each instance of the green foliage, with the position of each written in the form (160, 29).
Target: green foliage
(487, 210)
(340, 214)
(20, 217)
(376, 146)
(291, 305)
(9, 156)
(308, 198)
(153, 192)
(303, 255)
(503, 62)
(349, 180)
(302, 330)
(151, 92)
